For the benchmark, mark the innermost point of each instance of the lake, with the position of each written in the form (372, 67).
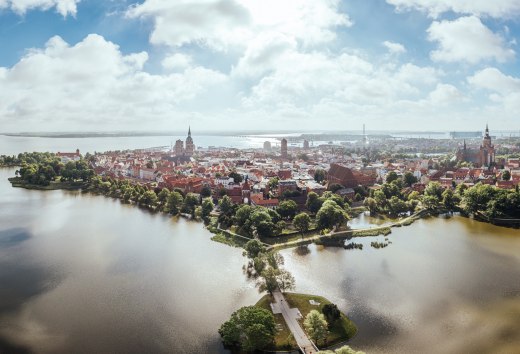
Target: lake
(87, 274)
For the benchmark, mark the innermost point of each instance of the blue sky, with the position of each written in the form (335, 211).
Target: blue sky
(243, 64)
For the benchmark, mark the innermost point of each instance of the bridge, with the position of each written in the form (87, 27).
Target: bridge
(291, 316)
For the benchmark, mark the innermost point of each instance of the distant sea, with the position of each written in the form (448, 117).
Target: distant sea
(12, 145)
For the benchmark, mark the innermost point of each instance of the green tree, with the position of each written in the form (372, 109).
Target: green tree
(409, 179)
(174, 203)
(190, 203)
(319, 175)
(253, 248)
(302, 222)
(148, 198)
(331, 313)
(449, 199)
(237, 178)
(330, 215)
(314, 202)
(205, 192)
(226, 205)
(506, 175)
(163, 196)
(476, 198)
(251, 328)
(269, 280)
(434, 189)
(273, 183)
(371, 205)
(391, 176)
(285, 280)
(316, 326)
(206, 208)
(287, 209)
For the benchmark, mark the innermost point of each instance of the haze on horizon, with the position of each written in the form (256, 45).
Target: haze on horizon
(245, 65)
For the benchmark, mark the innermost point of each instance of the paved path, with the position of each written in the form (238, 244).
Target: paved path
(291, 316)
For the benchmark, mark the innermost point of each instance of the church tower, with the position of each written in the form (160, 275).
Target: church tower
(487, 150)
(190, 147)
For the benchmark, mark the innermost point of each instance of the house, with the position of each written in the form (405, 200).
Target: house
(69, 156)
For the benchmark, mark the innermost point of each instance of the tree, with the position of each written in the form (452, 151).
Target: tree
(190, 203)
(335, 187)
(396, 206)
(476, 198)
(269, 281)
(285, 280)
(237, 178)
(163, 196)
(319, 175)
(273, 183)
(409, 179)
(148, 198)
(331, 313)
(371, 205)
(287, 209)
(251, 328)
(449, 199)
(430, 202)
(253, 248)
(174, 203)
(207, 208)
(316, 326)
(302, 222)
(506, 175)
(391, 176)
(314, 202)
(330, 215)
(434, 189)
(343, 350)
(205, 192)
(226, 205)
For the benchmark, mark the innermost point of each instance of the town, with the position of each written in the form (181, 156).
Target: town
(262, 177)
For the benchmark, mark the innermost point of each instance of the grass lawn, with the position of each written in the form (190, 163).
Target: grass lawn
(229, 240)
(341, 331)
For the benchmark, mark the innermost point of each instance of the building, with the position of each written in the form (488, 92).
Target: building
(69, 156)
(183, 152)
(306, 144)
(267, 145)
(484, 156)
(284, 148)
(349, 178)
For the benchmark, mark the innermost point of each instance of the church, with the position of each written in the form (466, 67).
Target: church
(484, 156)
(182, 153)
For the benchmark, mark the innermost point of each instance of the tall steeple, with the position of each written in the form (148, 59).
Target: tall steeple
(189, 130)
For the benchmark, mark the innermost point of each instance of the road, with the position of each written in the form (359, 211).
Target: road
(291, 316)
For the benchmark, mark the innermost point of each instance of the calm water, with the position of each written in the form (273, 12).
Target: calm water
(86, 274)
(14, 145)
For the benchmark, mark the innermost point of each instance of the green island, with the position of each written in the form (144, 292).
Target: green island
(339, 330)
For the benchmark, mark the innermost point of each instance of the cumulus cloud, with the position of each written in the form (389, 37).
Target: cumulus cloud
(223, 23)
(493, 79)
(493, 8)
(394, 48)
(93, 82)
(177, 61)
(467, 39)
(64, 7)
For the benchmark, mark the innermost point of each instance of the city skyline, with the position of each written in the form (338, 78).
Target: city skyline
(405, 65)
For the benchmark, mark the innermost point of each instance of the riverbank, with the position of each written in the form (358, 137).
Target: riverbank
(341, 331)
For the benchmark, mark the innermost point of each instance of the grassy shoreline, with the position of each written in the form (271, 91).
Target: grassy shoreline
(16, 182)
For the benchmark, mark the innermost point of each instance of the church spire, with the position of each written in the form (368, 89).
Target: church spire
(189, 130)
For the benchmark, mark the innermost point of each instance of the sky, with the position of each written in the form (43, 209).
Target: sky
(302, 65)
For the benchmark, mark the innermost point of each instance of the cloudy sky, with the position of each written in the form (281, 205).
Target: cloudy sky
(68, 65)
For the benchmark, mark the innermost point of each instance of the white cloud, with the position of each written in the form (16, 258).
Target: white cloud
(493, 8)
(493, 79)
(220, 24)
(64, 7)
(445, 94)
(394, 48)
(93, 83)
(467, 39)
(177, 61)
